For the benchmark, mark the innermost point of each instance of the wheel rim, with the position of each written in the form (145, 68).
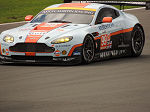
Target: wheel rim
(88, 49)
(138, 41)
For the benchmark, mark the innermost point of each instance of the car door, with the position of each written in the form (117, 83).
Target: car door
(108, 30)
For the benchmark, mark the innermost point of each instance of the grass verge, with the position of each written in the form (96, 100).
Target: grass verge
(16, 10)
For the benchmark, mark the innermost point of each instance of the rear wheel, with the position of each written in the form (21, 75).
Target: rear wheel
(88, 49)
(138, 41)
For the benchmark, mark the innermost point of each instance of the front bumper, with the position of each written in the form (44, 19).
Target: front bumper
(41, 59)
(32, 53)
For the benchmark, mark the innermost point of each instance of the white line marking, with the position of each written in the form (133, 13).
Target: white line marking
(134, 8)
(25, 21)
(13, 23)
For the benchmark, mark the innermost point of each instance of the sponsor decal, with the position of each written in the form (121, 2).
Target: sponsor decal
(105, 54)
(62, 45)
(76, 53)
(37, 33)
(4, 44)
(49, 25)
(106, 43)
(63, 59)
(69, 11)
(64, 52)
(111, 53)
(5, 51)
(57, 53)
(72, 49)
(103, 27)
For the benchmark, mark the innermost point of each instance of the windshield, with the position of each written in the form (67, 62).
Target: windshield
(65, 16)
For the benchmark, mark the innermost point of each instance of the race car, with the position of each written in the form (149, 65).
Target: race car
(73, 33)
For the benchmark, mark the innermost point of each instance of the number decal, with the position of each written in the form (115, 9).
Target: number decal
(105, 42)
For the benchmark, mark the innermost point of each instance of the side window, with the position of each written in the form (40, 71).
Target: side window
(106, 12)
(115, 13)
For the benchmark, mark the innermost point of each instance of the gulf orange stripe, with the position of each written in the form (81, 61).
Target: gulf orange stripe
(81, 5)
(121, 31)
(72, 49)
(117, 33)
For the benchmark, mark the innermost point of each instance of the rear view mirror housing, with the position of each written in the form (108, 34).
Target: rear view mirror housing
(28, 17)
(107, 20)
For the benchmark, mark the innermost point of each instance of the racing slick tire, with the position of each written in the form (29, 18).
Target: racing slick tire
(88, 52)
(138, 40)
(1, 62)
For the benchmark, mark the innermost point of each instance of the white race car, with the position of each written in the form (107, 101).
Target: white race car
(73, 33)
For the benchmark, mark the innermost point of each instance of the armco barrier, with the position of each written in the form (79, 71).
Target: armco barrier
(121, 3)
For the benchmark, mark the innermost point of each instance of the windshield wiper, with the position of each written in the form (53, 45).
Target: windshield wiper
(59, 21)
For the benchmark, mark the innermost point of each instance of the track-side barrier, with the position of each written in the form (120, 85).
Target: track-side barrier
(121, 3)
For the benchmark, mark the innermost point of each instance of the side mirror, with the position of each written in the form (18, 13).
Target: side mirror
(28, 17)
(107, 19)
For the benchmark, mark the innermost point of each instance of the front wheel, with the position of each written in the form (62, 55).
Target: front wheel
(88, 49)
(1, 62)
(138, 41)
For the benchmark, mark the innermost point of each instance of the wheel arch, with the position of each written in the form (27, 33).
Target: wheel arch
(93, 39)
(138, 24)
(133, 52)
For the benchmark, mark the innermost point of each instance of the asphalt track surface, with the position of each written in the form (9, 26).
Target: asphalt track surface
(117, 85)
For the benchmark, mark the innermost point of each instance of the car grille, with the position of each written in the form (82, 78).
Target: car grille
(32, 47)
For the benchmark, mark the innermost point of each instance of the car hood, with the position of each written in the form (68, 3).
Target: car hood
(33, 32)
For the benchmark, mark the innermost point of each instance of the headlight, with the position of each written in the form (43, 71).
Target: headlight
(62, 40)
(8, 39)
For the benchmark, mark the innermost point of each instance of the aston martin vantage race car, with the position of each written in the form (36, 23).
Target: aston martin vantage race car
(73, 33)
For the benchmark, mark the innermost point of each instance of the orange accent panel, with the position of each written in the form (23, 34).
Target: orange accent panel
(72, 49)
(80, 5)
(48, 26)
(30, 54)
(40, 30)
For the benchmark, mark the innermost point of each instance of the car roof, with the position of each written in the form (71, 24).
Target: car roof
(94, 6)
